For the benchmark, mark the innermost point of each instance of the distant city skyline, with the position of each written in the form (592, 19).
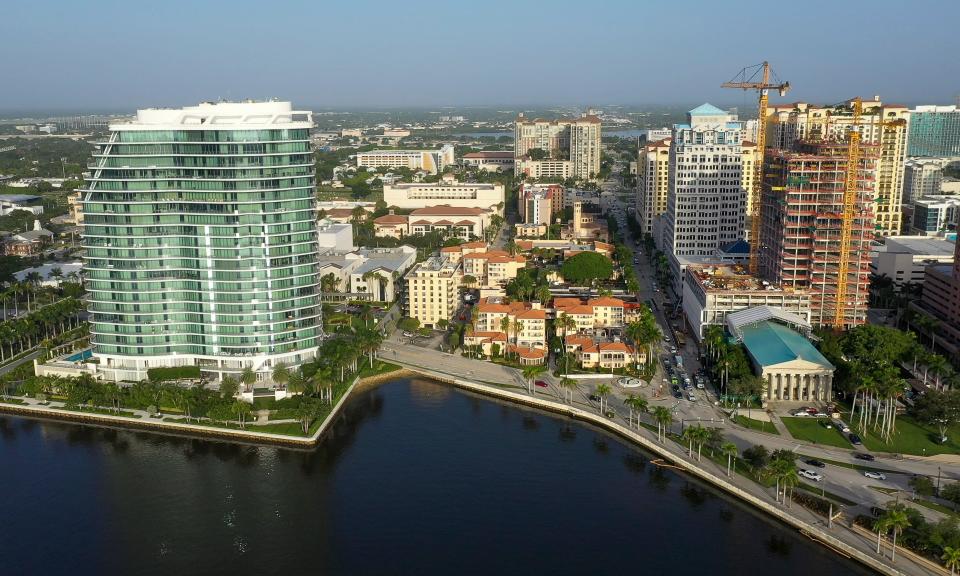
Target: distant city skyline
(106, 55)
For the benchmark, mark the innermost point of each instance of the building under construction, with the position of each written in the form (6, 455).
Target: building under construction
(801, 243)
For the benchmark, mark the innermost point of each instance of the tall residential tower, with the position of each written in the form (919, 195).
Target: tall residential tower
(201, 241)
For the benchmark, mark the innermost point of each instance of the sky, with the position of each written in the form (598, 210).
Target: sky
(119, 55)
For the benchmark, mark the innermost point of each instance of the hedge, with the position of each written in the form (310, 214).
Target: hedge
(173, 373)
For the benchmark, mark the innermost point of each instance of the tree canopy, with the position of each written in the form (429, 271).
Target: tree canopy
(587, 267)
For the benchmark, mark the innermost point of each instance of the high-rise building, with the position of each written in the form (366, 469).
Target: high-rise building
(883, 124)
(921, 178)
(935, 215)
(934, 131)
(566, 148)
(800, 237)
(707, 200)
(201, 241)
(653, 179)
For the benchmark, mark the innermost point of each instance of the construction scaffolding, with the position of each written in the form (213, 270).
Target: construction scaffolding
(818, 222)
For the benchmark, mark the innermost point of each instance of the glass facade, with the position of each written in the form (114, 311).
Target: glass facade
(934, 132)
(202, 243)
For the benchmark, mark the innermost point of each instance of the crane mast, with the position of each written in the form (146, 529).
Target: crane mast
(757, 78)
(850, 194)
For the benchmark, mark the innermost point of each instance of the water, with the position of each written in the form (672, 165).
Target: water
(417, 478)
(79, 356)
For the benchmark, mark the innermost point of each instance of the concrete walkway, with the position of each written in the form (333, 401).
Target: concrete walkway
(780, 426)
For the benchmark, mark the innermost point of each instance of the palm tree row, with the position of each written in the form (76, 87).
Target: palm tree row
(896, 520)
(23, 333)
(876, 395)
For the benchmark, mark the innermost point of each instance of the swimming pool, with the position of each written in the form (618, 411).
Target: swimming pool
(79, 356)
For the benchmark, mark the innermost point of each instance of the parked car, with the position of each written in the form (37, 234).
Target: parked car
(855, 440)
(800, 414)
(810, 475)
(594, 397)
(826, 424)
(540, 383)
(691, 396)
(814, 463)
(678, 394)
(841, 426)
(875, 475)
(407, 334)
(864, 456)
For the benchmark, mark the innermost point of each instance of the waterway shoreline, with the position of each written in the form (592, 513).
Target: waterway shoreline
(514, 398)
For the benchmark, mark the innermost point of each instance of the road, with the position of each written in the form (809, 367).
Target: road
(28, 358)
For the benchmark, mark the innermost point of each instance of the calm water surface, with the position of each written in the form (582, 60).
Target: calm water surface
(417, 478)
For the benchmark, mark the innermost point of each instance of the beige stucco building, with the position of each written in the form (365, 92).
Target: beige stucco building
(433, 287)
(448, 191)
(884, 125)
(572, 146)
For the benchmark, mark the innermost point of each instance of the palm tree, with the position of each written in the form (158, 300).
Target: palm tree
(530, 373)
(229, 387)
(729, 449)
(602, 391)
(296, 383)
(951, 558)
(689, 434)
(897, 520)
(281, 374)
(241, 409)
(700, 436)
(664, 418)
(381, 284)
(248, 378)
(636, 404)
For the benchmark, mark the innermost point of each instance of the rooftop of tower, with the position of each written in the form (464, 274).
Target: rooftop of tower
(219, 115)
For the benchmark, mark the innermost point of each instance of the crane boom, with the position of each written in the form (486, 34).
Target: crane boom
(746, 80)
(849, 212)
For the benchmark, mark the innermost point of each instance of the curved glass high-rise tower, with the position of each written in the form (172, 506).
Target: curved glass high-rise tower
(201, 242)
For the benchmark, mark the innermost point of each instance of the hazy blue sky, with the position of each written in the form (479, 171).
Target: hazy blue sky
(123, 54)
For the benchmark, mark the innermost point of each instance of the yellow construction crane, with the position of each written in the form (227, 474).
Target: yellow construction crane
(849, 211)
(757, 78)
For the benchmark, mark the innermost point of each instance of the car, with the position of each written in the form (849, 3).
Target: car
(814, 463)
(855, 440)
(675, 388)
(407, 334)
(810, 475)
(691, 396)
(864, 456)
(673, 349)
(826, 424)
(875, 475)
(666, 338)
(678, 394)
(811, 411)
(800, 414)
(540, 384)
(594, 397)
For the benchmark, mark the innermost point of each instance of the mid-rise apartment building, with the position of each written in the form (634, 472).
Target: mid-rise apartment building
(801, 235)
(489, 268)
(570, 147)
(432, 161)
(653, 183)
(537, 203)
(707, 197)
(940, 300)
(921, 178)
(604, 312)
(884, 125)
(433, 287)
(201, 241)
(934, 132)
(448, 191)
(526, 322)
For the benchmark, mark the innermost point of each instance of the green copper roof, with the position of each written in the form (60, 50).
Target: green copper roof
(770, 343)
(707, 110)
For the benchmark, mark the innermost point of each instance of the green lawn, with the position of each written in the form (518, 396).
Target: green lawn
(759, 425)
(811, 430)
(913, 438)
(12, 401)
(379, 367)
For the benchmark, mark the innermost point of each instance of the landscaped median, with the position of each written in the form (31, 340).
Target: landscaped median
(814, 430)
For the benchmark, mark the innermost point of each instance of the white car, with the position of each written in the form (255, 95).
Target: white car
(810, 475)
(407, 334)
(875, 475)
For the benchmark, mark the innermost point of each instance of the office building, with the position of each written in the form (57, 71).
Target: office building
(712, 292)
(334, 236)
(433, 287)
(432, 161)
(884, 125)
(201, 241)
(450, 221)
(801, 244)
(560, 148)
(921, 178)
(448, 191)
(935, 215)
(653, 182)
(934, 132)
(707, 197)
(904, 259)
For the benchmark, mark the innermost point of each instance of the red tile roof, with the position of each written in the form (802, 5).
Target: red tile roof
(529, 353)
(606, 301)
(390, 219)
(532, 315)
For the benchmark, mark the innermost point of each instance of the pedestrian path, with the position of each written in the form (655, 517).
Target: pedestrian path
(780, 426)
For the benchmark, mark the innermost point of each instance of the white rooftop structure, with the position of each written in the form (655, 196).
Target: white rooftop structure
(219, 115)
(740, 319)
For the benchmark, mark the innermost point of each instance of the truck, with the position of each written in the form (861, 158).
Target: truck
(678, 360)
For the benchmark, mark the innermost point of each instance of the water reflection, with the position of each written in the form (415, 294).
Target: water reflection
(408, 481)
